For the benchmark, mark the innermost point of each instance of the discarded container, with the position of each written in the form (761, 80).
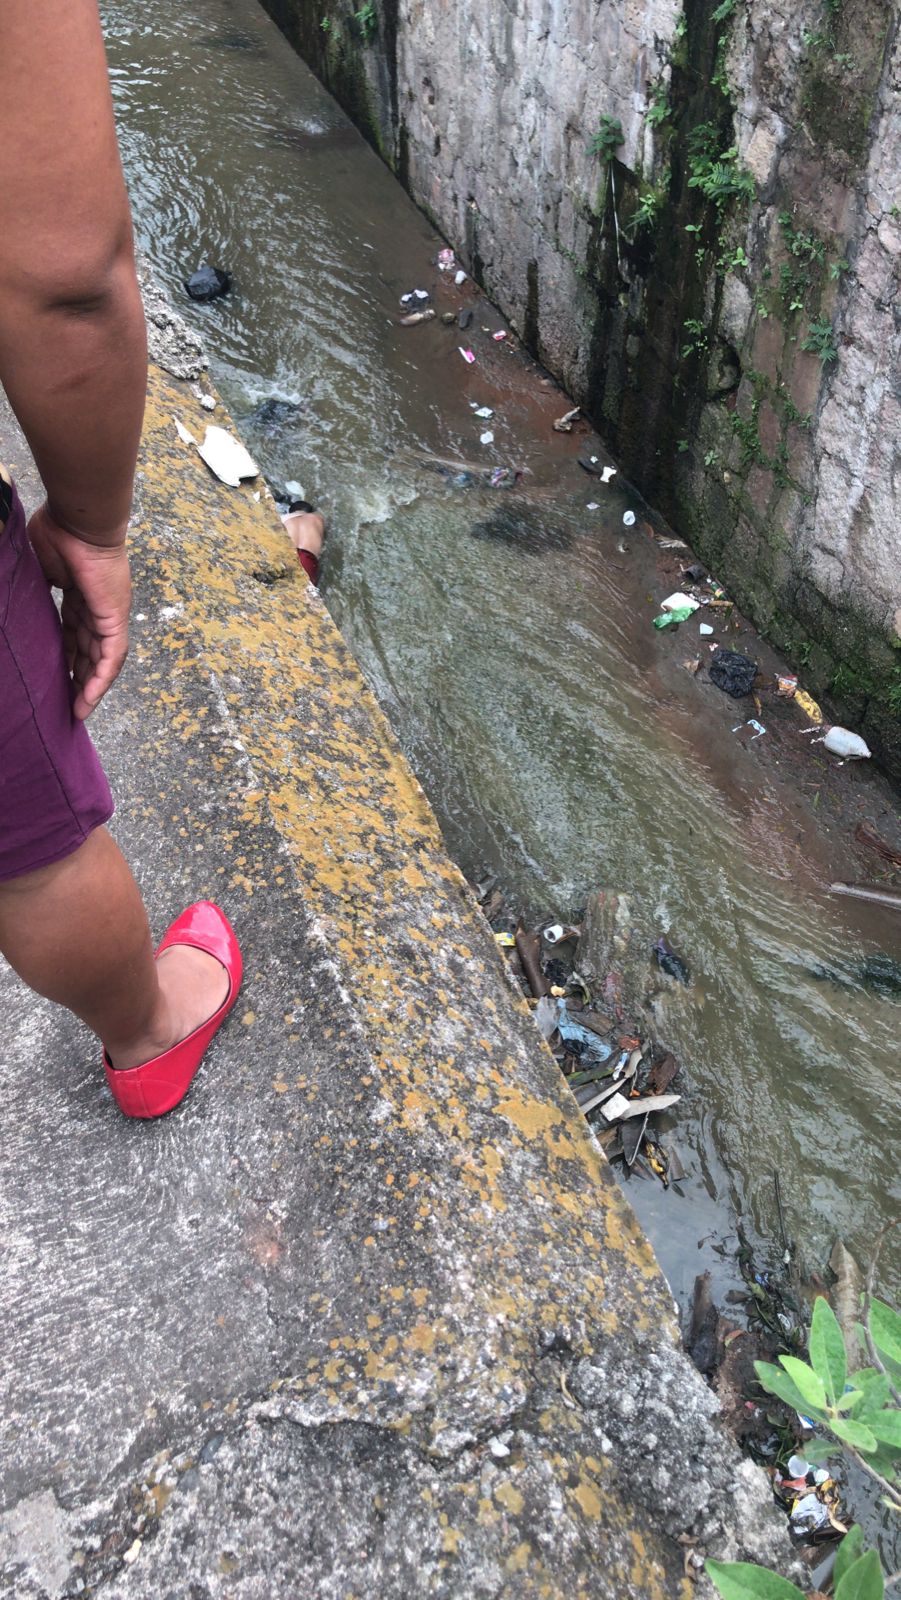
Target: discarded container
(459, 277)
(227, 457)
(564, 424)
(808, 706)
(705, 630)
(484, 412)
(668, 618)
(679, 602)
(628, 518)
(843, 743)
(786, 685)
(207, 283)
(499, 336)
(413, 318)
(467, 355)
(733, 673)
(559, 932)
(446, 261)
(487, 437)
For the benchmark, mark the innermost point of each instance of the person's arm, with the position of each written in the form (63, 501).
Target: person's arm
(72, 341)
(73, 356)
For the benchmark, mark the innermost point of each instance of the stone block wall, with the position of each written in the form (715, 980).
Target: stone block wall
(715, 278)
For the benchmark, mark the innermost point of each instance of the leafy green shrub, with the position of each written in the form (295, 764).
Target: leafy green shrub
(367, 20)
(821, 340)
(862, 1412)
(608, 138)
(718, 174)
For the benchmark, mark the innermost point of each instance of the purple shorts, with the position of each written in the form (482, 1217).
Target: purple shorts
(53, 791)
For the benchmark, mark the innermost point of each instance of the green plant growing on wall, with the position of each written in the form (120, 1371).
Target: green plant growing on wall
(659, 108)
(807, 257)
(607, 140)
(698, 341)
(326, 25)
(821, 340)
(648, 209)
(367, 21)
(718, 174)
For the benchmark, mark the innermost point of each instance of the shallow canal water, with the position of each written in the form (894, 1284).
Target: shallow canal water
(508, 634)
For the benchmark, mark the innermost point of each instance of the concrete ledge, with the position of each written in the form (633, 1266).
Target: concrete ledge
(367, 1315)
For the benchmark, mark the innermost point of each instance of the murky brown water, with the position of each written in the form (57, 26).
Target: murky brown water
(509, 637)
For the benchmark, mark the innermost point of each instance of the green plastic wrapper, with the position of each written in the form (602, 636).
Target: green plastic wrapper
(682, 615)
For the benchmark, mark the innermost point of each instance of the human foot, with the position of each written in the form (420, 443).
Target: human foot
(154, 1085)
(193, 985)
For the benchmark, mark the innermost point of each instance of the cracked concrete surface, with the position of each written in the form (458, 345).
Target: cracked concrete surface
(367, 1314)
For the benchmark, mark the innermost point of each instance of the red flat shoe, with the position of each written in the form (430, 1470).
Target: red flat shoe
(158, 1085)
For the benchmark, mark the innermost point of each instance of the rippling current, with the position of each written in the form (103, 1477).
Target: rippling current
(508, 635)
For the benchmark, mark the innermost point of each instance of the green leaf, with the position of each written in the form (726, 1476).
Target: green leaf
(816, 1451)
(741, 1580)
(848, 1551)
(875, 1388)
(863, 1580)
(807, 1382)
(847, 1402)
(780, 1384)
(827, 1349)
(886, 1425)
(885, 1329)
(855, 1434)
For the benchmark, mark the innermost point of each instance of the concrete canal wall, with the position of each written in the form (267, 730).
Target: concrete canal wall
(715, 278)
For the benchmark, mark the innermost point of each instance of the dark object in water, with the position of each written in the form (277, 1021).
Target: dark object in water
(275, 413)
(233, 40)
(732, 673)
(207, 283)
(882, 976)
(528, 948)
(670, 963)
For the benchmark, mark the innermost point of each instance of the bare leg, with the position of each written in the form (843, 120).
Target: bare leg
(77, 932)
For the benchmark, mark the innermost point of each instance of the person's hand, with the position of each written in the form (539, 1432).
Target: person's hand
(96, 587)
